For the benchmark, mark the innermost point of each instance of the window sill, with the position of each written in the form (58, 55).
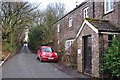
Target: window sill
(106, 13)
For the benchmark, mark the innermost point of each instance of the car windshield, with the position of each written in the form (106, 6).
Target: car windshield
(47, 49)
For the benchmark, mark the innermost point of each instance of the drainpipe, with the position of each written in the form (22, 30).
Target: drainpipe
(93, 9)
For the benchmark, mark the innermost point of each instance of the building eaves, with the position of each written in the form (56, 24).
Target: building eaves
(99, 26)
(104, 25)
(70, 11)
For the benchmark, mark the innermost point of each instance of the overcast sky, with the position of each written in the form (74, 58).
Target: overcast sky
(70, 4)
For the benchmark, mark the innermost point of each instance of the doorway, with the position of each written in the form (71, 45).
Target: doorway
(87, 53)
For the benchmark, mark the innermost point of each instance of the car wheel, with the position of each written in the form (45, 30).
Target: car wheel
(56, 61)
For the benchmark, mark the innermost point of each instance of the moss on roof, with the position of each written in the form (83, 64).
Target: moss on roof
(103, 25)
(93, 20)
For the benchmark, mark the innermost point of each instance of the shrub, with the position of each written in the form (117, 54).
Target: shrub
(112, 59)
(36, 37)
(8, 47)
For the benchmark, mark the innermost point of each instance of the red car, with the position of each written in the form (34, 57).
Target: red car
(46, 53)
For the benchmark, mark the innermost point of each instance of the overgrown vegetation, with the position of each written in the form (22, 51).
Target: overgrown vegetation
(15, 16)
(112, 59)
(42, 33)
(70, 56)
(36, 35)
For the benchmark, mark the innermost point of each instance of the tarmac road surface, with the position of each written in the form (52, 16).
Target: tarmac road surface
(25, 65)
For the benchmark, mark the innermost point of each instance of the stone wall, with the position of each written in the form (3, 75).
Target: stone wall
(95, 54)
(96, 10)
(95, 51)
(0, 45)
(119, 14)
(112, 16)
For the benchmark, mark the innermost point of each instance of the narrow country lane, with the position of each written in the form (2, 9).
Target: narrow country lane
(25, 65)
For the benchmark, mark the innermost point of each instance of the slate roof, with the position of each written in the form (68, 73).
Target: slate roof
(104, 25)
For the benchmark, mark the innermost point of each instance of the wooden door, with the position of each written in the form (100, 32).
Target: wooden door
(87, 53)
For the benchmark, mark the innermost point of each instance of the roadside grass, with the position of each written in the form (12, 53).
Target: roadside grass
(4, 55)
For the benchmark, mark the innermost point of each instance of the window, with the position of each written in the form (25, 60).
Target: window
(68, 43)
(58, 28)
(58, 42)
(110, 38)
(86, 12)
(70, 22)
(109, 5)
(47, 49)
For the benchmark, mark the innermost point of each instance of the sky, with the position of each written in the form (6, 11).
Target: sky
(69, 4)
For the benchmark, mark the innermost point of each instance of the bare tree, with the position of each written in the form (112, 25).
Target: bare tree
(57, 9)
(54, 11)
(15, 17)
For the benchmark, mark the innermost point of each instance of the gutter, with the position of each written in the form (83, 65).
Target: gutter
(109, 32)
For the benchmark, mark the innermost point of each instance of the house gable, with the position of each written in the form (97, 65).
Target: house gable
(99, 26)
(90, 25)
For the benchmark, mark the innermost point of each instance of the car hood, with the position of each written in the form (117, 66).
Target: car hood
(49, 53)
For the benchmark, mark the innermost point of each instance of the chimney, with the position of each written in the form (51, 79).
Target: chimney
(76, 4)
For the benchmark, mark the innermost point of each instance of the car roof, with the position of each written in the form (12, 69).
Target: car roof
(45, 47)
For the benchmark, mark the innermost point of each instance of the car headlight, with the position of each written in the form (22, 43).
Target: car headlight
(43, 53)
(55, 53)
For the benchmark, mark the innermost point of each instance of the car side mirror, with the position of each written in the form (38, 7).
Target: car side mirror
(40, 50)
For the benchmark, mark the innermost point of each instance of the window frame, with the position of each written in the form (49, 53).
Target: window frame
(58, 27)
(108, 4)
(70, 21)
(68, 43)
(86, 12)
(58, 42)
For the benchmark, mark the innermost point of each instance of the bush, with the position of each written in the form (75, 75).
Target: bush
(8, 47)
(60, 55)
(112, 59)
(35, 38)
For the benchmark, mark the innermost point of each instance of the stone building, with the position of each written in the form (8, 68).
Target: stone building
(0, 44)
(92, 25)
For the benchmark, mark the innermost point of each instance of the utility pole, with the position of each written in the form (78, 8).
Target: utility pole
(76, 3)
